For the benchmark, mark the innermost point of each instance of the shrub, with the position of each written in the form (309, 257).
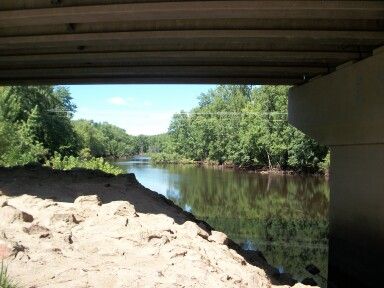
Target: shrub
(92, 163)
(326, 164)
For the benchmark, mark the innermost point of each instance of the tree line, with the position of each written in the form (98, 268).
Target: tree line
(243, 126)
(36, 125)
(235, 125)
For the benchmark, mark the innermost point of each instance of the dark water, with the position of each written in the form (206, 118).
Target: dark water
(285, 217)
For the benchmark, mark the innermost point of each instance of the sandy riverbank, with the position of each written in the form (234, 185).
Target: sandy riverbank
(89, 229)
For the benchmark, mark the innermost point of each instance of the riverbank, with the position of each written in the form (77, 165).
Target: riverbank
(161, 158)
(90, 229)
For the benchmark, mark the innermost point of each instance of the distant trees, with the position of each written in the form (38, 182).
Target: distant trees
(244, 126)
(105, 140)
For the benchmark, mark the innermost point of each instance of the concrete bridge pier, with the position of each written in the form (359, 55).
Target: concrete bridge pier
(345, 110)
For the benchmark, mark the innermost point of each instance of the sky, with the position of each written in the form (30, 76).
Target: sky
(139, 109)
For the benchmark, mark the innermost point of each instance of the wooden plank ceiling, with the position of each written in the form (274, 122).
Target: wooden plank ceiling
(111, 41)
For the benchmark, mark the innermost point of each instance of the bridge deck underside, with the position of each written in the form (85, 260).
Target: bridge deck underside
(255, 42)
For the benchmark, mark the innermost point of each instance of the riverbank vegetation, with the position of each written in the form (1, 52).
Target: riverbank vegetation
(242, 126)
(85, 160)
(233, 125)
(36, 126)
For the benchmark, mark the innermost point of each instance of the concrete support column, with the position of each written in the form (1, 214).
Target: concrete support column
(356, 254)
(345, 110)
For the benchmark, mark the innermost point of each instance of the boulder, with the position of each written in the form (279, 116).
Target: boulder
(3, 202)
(10, 214)
(66, 218)
(125, 209)
(218, 237)
(87, 201)
(87, 206)
(36, 229)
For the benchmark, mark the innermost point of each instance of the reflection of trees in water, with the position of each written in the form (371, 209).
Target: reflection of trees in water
(285, 217)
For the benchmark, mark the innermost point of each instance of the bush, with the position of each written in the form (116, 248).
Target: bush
(92, 163)
(326, 164)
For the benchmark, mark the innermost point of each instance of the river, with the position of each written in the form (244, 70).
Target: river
(283, 216)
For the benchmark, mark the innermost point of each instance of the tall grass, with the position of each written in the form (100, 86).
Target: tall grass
(5, 281)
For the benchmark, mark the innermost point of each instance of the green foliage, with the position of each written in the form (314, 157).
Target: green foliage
(244, 126)
(160, 143)
(35, 122)
(326, 164)
(233, 124)
(46, 110)
(5, 281)
(70, 162)
(105, 140)
(18, 146)
(169, 158)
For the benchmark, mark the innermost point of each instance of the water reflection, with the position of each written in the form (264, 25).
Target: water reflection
(285, 217)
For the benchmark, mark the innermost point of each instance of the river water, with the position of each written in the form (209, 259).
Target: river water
(285, 217)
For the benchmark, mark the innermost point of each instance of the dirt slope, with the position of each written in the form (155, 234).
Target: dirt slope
(89, 229)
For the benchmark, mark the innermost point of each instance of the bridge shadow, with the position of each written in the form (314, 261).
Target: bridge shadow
(66, 186)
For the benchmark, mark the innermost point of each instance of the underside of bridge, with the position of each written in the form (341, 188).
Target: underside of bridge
(330, 51)
(117, 41)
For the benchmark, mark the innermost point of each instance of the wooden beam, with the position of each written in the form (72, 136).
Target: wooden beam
(163, 71)
(200, 24)
(196, 10)
(155, 80)
(246, 58)
(35, 4)
(223, 38)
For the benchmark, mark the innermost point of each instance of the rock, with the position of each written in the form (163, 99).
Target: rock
(125, 209)
(194, 230)
(17, 247)
(87, 201)
(36, 229)
(218, 237)
(87, 206)
(68, 238)
(9, 248)
(3, 202)
(10, 214)
(134, 239)
(67, 218)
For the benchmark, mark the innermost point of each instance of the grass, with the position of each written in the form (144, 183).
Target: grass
(5, 281)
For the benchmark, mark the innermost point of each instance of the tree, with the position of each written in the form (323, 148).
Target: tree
(54, 109)
(18, 144)
(244, 126)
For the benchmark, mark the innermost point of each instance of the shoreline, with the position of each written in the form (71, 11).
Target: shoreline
(114, 217)
(260, 170)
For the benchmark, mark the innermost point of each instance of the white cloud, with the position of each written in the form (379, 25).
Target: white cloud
(119, 101)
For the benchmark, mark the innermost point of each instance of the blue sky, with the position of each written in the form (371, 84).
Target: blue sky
(139, 109)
